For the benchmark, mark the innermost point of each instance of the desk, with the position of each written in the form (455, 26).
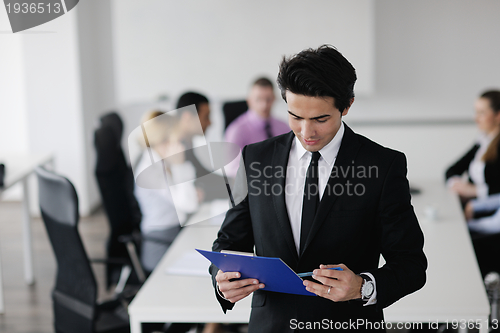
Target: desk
(450, 293)
(17, 170)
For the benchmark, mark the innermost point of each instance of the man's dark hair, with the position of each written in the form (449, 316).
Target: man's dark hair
(321, 72)
(263, 82)
(191, 98)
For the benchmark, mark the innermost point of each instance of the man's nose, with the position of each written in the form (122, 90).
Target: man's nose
(308, 131)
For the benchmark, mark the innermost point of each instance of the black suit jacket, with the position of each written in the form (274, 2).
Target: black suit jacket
(491, 169)
(349, 229)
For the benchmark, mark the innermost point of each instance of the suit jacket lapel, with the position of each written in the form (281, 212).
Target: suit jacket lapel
(346, 155)
(280, 162)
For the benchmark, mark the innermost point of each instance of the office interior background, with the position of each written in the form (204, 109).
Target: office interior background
(420, 66)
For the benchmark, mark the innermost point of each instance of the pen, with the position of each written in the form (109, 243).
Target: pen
(311, 273)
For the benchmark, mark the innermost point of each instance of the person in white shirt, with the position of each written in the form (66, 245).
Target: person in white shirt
(481, 163)
(164, 186)
(486, 224)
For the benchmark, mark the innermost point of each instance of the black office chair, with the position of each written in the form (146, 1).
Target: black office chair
(75, 292)
(233, 110)
(116, 185)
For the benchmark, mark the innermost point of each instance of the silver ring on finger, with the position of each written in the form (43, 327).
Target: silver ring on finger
(329, 288)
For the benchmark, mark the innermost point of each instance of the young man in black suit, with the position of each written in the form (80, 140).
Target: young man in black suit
(318, 197)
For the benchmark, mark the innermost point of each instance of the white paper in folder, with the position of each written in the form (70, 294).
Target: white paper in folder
(190, 263)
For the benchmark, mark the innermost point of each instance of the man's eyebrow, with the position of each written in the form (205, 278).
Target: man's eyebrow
(314, 118)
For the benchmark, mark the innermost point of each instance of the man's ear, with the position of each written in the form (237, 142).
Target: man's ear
(346, 110)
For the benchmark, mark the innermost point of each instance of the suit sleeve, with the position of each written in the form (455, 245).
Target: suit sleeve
(235, 234)
(401, 239)
(462, 165)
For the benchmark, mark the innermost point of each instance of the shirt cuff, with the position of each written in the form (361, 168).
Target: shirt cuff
(452, 180)
(481, 191)
(219, 293)
(373, 299)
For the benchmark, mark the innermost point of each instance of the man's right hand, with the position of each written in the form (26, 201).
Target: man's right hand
(237, 289)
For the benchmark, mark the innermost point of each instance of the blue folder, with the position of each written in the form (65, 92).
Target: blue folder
(273, 272)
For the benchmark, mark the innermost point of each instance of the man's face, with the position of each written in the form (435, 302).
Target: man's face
(314, 120)
(260, 100)
(204, 115)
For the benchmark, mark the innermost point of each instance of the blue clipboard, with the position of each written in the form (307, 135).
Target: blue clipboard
(273, 272)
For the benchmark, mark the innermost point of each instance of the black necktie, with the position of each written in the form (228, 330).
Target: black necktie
(267, 128)
(311, 199)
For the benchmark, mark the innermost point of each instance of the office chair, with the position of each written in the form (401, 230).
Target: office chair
(116, 184)
(233, 110)
(75, 292)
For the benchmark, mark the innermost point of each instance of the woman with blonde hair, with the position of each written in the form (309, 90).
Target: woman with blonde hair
(164, 186)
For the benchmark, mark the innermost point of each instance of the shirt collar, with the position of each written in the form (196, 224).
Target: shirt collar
(328, 152)
(485, 139)
(253, 116)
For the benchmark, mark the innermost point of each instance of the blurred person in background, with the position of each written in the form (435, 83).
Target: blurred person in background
(484, 224)
(207, 183)
(481, 162)
(161, 218)
(480, 192)
(256, 124)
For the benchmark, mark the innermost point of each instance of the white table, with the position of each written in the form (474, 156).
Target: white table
(454, 288)
(17, 170)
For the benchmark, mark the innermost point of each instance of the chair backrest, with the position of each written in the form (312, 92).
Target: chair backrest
(233, 110)
(115, 177)
(116, 185)
(75, 290)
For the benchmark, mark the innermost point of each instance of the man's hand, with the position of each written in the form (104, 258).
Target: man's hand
(238, 289)
(335, 285)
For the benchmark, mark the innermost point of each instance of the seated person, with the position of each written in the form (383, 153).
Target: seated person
(165, 209)
(483, 221)
(489, 206)
(256, 124)
(481, 162)
(208, 184)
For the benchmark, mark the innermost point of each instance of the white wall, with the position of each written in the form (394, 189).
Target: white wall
(95, 46)
(13, 126)
(429, 149)
(56, 80)
(53, 96)
(13, 129)
(166, 47)
(427, 60)
(433, 58)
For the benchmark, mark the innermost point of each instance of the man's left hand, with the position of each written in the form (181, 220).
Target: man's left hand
(337, 286)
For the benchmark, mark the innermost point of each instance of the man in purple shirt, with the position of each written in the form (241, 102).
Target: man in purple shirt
(256, 124)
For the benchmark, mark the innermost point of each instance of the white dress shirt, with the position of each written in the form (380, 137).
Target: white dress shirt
(488, 224)
(476, 167)
(166, 207)
(298, 162)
